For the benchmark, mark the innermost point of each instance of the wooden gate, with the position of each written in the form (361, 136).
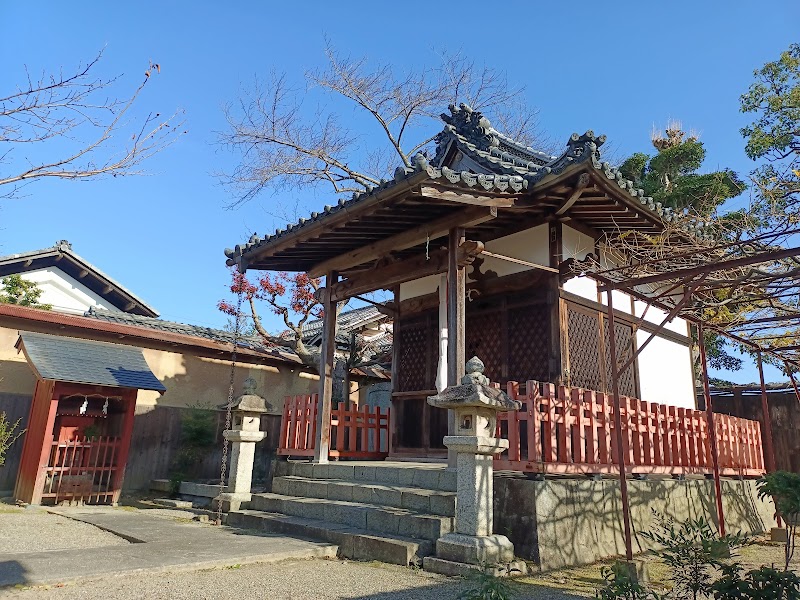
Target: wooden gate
(83, 469)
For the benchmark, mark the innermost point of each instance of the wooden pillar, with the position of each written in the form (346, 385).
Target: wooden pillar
(556, 248)
(326, 362)
(456, 324)
(623, 480)
(442, 379)
(129, 397)
(769, 451)
(37, 443)
(712, 430)
(393, 424)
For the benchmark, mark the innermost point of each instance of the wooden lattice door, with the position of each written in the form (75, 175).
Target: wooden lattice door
(589, 354)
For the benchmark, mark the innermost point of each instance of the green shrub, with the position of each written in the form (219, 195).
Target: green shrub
(487, 586)
(784, 490)
(619, 585)
(765, 583)
(692, 550)
(8, 435)
(198, 436)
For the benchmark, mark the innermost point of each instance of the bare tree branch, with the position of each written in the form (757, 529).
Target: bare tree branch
(75, 115)
(282, 143)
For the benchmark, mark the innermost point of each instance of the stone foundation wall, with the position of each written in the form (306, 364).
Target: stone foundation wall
(564, 522)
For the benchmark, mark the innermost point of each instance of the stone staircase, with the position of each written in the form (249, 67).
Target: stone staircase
(388, 511)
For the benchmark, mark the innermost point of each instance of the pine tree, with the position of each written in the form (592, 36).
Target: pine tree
(672, 176)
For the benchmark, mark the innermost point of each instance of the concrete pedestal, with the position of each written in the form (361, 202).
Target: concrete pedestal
(245, 413)
(473, 544)
(242, 452)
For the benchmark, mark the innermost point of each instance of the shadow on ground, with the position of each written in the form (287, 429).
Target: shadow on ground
(452, 590)
(12, 573)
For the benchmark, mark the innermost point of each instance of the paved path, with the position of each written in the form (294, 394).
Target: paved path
(158, 543)
(290, 580)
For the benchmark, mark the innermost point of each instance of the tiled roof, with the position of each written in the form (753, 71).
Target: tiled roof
(514, 167)
(254, 343)
(76, 360)
(347, 321)
(61, 256)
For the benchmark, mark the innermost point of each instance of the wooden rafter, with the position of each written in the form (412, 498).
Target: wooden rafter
(463, 218)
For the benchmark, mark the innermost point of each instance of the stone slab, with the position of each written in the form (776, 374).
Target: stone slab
(163, 545)
(451, 568)
(352, 542)
(382, 519)
(475, 550)
(161, 485)
(172, 502)
(778, 534)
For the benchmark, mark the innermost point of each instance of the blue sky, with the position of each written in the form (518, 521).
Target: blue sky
(618, 68)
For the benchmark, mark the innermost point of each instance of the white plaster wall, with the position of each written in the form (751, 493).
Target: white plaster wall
(530, 245)
(585, 287)
(665, 372)
(655, 315)
(419, 287)
(575, 244)
(65, 293)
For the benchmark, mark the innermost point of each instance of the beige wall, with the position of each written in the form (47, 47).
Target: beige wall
(190, 380)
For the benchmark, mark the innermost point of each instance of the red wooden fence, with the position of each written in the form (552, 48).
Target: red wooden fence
(361, 433)
(563, 430)
(85, 469)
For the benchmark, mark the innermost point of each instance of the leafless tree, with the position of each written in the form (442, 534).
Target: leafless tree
(284, 143)
(71, 118)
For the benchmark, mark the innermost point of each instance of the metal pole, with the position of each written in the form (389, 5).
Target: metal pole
(794, 383)
(712, 431)
(769, 459)
(623, 481)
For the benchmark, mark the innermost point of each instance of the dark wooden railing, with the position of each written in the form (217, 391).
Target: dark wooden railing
(360, 433)
(84, 469)
(571, 430)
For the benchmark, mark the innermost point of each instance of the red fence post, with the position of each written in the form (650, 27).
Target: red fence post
(712, 431)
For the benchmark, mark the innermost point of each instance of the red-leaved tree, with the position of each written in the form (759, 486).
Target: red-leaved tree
(290, 295)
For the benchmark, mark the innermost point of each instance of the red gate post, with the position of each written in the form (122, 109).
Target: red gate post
(712, 431)
(623, 481)
(769, 452)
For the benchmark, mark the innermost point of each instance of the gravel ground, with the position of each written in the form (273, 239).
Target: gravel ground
(37, 530)
(291, 580)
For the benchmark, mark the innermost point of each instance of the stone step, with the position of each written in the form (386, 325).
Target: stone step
(426, 476)
(433, 502)
(382, 519)
(353, 543)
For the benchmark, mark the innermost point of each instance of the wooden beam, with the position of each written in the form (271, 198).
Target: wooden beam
(326, 363)
(735, 263)
(519, 261)
(583, 182)
(467, 196)
(401, 271)
(407, 239)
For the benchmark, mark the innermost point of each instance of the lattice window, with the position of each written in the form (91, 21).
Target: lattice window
(529, 343)
(413, 337)
(623, 339)
(485, 340)
(583, 331)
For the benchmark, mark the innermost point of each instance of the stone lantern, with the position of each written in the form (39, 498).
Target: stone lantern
(246, 413)
(473, 543)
